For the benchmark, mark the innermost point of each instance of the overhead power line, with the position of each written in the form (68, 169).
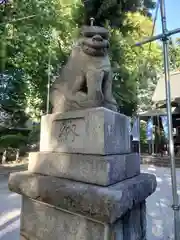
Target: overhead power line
(154, 22)
(18, 19)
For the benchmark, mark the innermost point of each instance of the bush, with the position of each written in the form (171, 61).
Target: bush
(13, 141)
(143, 126)
(11, 145)
(34, 138)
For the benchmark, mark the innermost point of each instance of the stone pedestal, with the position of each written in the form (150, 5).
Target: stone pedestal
(85, 183)
(92, 131)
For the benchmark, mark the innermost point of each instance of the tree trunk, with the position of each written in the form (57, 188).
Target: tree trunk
(17, 155)
(4, 157)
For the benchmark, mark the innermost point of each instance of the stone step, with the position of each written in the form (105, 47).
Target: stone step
(159, 161)
(95, 169)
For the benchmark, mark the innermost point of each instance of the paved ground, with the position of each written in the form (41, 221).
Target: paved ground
(13, 167)
(159, 212)
(9, 212)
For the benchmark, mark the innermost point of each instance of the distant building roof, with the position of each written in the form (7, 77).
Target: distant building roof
(160, 91)
(154, 112)
(157, 112)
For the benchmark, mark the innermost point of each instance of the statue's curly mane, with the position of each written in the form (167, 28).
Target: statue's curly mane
(85, 81)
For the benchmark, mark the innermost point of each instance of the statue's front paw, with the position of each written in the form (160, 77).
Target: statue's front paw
(111, 105)
(99, 96)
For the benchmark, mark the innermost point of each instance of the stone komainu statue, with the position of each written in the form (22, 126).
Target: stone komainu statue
(86, 80)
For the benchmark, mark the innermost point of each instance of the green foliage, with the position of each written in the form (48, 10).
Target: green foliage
(124, 84)
(136, 69)
(143, 126)
(12, 141)
(26, 45)
(34, 135)
(34, 47)
(12, 98)
(174, 55)
(114, 11)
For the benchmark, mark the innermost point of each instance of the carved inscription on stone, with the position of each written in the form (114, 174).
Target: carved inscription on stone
(68, 130)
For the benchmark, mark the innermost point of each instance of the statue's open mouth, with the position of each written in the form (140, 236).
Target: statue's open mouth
(92, 51)
(96, 44)
(91, 31)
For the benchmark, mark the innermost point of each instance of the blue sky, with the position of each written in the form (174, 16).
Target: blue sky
(173, 16)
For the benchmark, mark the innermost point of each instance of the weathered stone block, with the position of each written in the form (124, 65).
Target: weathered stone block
(143, 219)
(105, 204)
(101, 170)
(44, 222)
(40, 221)
(91, 131)
(134, 223)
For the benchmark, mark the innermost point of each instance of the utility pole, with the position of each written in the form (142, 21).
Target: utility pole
(49, 76)
(164, 36)
(165, 40)
(49, 80)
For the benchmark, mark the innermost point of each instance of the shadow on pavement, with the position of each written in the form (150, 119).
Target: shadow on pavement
(159, 211)
(9, 168)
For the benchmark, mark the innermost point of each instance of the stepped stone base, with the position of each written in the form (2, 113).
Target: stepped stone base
(43, 222)
(60, 209)
(104, 204)
(84, 184)
(101, 170)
